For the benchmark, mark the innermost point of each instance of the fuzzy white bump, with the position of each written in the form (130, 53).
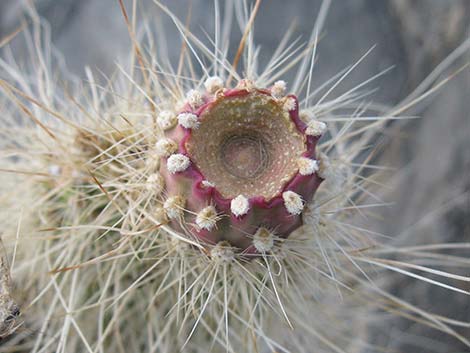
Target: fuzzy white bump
(54, 170)
(160, 215)
(174, 207)
(315, 128)
(152, 162)
(194, 98)
(207, 218)
(279, 89)
(240, 206)
(293, 202)
(305, 116)
(311, 217)
(188, 120)
(290, 104)
(166, 147)
(155, 183)
(207, 184)
(307, 166)
(324, 167)
(166, 119)
(177, 163)
(213, 84)
(263, 240)
(76, 174)
(223, 252)
(246, 84)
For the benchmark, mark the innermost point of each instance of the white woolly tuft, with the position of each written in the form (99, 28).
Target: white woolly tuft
(160, 215)
(188, 120)
(293, 202)
(223, 253)
(54, 170)
(311, 216)
(207, 218)
(194, 98)
(166, 147)
(315, 128)
(263, 240)
(279, 89)
(289, 104)
(155, 183)
(213, 84)
(166, 119)
(207, 184)
(177, 163)
(324, 166)
(307, 166)
(174, 207)
(240, 206)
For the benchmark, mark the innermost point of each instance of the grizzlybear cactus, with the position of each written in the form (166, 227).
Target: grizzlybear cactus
(173, 211)
(237, 163)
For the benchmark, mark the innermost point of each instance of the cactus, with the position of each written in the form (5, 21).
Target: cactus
(177, 211)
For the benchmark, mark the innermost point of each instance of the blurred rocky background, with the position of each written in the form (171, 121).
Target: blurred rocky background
(431, 187)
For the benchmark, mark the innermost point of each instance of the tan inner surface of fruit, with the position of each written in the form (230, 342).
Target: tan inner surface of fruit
(247, 146)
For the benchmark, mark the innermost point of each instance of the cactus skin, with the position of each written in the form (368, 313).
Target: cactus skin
(218, 134)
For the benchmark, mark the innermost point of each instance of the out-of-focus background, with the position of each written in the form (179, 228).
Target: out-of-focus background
(431, 188)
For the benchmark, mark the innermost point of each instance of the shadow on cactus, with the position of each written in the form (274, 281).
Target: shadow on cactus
(176, 210)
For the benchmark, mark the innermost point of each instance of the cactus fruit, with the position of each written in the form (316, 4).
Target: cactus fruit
(238, 160)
